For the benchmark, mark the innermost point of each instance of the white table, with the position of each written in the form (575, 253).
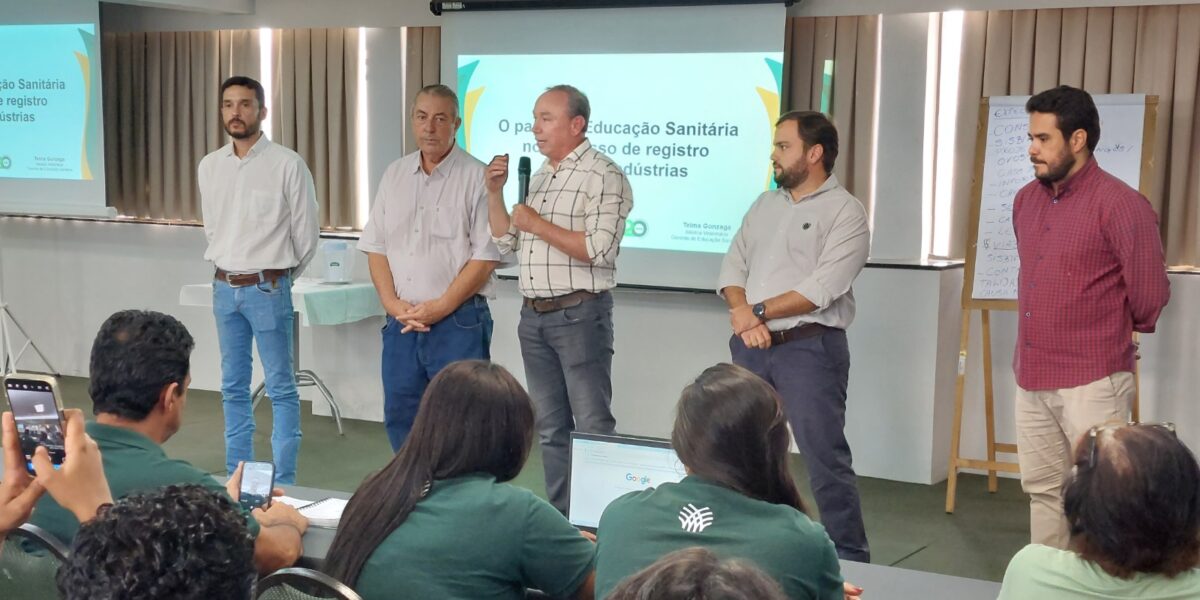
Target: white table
(315, 303)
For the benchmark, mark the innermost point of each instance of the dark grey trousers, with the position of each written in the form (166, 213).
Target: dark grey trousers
(810, 375)
(568, 369)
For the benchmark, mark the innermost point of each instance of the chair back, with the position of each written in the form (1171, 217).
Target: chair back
(303, 584)
(29, 561)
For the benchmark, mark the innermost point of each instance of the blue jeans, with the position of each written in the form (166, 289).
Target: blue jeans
(811, 375)
(261, 314)
(568, 367)
(411, 360)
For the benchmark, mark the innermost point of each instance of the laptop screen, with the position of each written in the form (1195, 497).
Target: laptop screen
(605, 467)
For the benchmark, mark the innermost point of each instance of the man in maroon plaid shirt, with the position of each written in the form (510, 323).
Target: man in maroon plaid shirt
(1092, 273)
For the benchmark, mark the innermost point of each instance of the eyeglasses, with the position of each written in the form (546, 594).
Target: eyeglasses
(1094, 432)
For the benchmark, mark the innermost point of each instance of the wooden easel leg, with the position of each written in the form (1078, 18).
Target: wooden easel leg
(956, 434)
(988, 398)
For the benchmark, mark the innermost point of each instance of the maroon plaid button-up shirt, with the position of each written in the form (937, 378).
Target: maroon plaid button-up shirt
(1092, 273)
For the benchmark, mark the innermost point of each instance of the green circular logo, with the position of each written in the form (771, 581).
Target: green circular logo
(635, 228)
(5, 162)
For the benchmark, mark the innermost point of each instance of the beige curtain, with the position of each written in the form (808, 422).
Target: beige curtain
(313, 111)
(423, 55)
(852, 44)
(1147, 50)
(161, 114)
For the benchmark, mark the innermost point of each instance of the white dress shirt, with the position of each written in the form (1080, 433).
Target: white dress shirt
(430, 225)
(260, 211)
(815, 246)
(588, 192)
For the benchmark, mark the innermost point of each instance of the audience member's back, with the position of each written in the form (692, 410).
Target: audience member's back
(139, 377)
(440, 521)
(175, 543)
(739, 500)
(1133, 505)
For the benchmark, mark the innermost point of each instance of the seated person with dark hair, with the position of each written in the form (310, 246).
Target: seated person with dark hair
(1133, 508)
(441, 521)
(139, 378)
(175, 543)
(697, 573)
(738, 499)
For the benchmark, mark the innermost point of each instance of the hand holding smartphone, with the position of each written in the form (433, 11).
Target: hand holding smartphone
(37, 408)
(258, 480)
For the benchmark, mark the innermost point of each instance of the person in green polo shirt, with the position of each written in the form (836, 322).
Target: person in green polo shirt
(439, 521)
(139, 372)
(738, 499)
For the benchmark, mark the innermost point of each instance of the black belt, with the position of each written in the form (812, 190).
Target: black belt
(799, 332)
(545, 305)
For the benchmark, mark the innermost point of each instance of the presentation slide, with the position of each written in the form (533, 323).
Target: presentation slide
(692, 131)
(49, 121)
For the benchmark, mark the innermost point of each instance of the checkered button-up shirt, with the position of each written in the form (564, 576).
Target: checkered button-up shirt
(588, 192)
(1092, 273)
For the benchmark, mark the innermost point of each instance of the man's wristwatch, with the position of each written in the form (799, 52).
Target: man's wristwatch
(760, 311)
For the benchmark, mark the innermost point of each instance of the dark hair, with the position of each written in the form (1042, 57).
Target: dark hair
(1137, 509)
(136, 354)
(697, 574)
(473, 418)
(815, 128)
(181, 542)
(577, 102)
(1074, 109)
(247, 82)
(730, 430)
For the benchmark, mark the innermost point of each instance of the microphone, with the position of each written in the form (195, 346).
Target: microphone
(523, 179)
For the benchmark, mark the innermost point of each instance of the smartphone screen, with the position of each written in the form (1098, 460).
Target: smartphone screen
(258, 479)
(38, 420)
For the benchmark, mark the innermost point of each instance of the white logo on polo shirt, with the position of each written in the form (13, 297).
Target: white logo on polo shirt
(695, 519)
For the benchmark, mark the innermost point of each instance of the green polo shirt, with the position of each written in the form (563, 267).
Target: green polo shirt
(641, 527)
(132, 463)
(1039, 571)
(475, 539)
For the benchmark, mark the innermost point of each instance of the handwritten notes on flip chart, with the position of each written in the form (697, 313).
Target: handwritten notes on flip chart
(1007, 169)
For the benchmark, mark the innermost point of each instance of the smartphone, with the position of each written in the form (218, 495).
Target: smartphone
(37, 409)
(258, 479)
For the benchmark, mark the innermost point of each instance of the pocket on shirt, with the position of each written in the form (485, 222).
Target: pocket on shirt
(447, 222)
(266, 206)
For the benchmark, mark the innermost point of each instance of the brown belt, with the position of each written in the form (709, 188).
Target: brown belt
(545, 305)
(245, 279)
(798, 332)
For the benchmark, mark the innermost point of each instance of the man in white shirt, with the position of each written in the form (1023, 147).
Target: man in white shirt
(566, 235)
(431, 259)
(260, 218)
(787, 279)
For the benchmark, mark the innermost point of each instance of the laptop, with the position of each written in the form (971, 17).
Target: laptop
(606, 467)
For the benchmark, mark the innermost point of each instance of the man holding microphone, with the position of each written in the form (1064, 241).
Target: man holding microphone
(566, 235)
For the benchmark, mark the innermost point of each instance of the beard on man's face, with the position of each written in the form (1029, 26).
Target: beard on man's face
(1057, 170)
(791, 176)
(247, 130)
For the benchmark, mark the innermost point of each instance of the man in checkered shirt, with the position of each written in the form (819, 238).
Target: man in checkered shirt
(1092, 273)
(566, 236)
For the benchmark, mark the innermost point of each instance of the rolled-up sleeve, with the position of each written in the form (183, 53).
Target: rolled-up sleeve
(604, 218)
(843, 256)
(735, 267)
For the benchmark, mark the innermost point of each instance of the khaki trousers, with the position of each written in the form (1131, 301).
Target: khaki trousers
(1049, 425)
